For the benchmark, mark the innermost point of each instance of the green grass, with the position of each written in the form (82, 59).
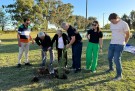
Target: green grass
(14, 79)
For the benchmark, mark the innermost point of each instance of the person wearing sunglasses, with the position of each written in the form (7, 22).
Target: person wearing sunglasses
(120, 36)
(24, 39)
(95, 43)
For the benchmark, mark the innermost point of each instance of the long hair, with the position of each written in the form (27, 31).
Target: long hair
(98, 28)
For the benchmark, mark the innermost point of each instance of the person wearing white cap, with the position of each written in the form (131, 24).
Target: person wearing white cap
(44, 41)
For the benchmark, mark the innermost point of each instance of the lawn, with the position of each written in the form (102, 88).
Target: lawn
(19, 79)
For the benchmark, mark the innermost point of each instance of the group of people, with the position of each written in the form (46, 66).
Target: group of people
(120, 36)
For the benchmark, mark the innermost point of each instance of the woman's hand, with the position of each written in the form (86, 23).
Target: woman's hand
(88, 36)
(100, 51)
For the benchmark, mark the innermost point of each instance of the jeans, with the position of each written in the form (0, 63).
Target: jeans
(76, 55)
(44, 54)
(115, 52)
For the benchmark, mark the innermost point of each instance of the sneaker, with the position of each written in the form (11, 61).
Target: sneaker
(28, 64)
(65, 66)
(110, 70)
(51, 71)
(93, 71)
(19, 65)
(77, 71)
(117, 78)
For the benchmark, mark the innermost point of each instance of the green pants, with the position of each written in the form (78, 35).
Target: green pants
(92, 56)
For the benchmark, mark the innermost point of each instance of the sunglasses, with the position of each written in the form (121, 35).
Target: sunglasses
(94, 25)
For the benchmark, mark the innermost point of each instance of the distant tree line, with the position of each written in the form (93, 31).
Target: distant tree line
(42, 12)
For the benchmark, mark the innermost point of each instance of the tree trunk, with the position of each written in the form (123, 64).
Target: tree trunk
(2, 28)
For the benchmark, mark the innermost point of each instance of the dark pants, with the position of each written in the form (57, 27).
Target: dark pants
(115, 52)
(76, 55)
(60, 51)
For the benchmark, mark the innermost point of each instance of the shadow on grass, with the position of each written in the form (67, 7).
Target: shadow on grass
(13, 77)
(8, 40)
(82, 86)
(13, 48)
(73, 78)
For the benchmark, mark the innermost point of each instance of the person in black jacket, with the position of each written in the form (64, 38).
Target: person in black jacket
(61, 41)
(76, 43)
(44, 41)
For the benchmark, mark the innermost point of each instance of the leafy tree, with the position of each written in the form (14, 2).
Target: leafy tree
(133, 25)
(107, 26)
(132, 16)
(71, 20)
(3, 19)
(90, 20)
(61, 12)
(79, 22)
(19, 10)
(40, 12)
(126, 19)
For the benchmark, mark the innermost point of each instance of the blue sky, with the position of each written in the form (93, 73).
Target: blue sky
(96, 8)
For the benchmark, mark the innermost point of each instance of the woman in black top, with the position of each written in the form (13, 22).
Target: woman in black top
(61, 41)
(94, 36)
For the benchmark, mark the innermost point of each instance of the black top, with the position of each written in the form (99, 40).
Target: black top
(94, 36)
(55, 38)
(73, 32)
(46, 42)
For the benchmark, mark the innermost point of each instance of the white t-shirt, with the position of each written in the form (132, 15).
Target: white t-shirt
(60, 43)
(119, 32)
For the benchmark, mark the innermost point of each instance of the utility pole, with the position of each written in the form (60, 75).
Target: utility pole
(86, 15)
(103, 20)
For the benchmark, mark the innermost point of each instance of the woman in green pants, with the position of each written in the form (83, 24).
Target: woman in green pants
(94, 36)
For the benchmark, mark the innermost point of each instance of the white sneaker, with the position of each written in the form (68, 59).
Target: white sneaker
(117, 78)
(52, 71)
(93, 71)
